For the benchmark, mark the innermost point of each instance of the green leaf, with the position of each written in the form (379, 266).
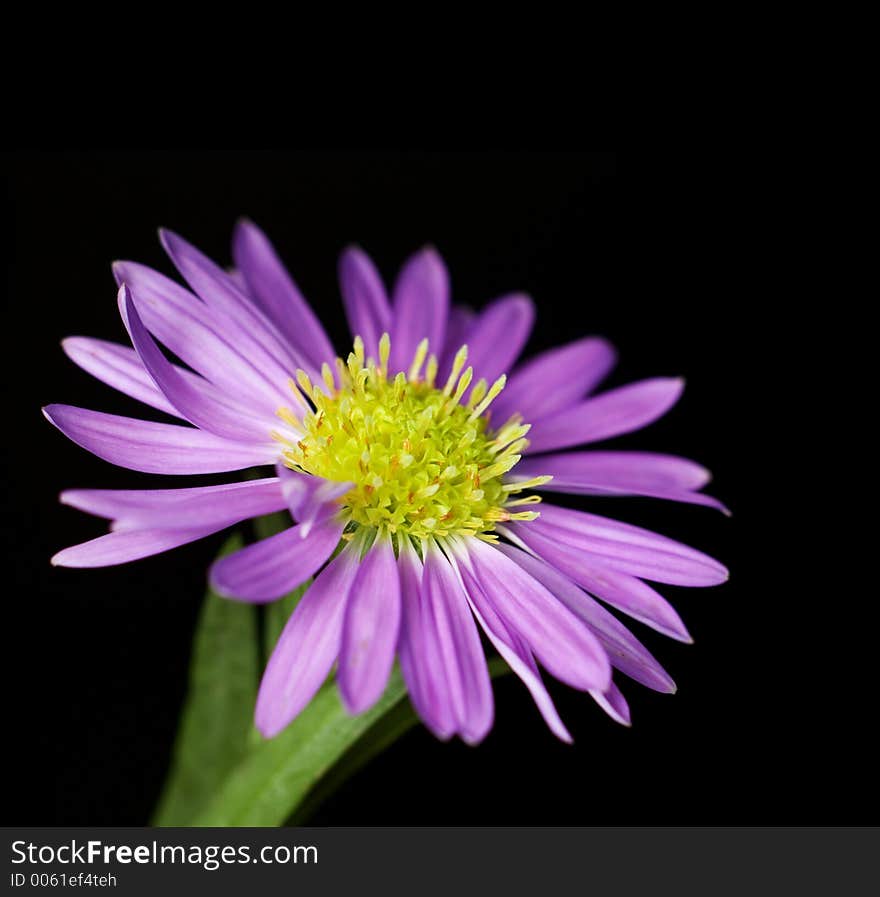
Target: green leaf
(277, 613)
(223, 772)
(217, 715)
(394, 723)
(276, 616)
(397, 721)
(271, 524)
(278, 775)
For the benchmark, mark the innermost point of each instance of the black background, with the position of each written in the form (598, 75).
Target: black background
(644, 251)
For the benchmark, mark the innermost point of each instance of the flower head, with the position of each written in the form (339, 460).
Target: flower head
(420, 459)
(421, 454)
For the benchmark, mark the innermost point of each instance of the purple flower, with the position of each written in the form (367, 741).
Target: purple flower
(416, 455)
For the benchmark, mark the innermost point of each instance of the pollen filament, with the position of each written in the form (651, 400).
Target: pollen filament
(424, 461)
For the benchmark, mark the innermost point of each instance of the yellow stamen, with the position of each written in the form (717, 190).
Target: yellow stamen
(384, 353)
(457, 364)
(422, 463)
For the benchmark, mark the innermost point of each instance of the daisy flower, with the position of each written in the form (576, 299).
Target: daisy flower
(413, 469)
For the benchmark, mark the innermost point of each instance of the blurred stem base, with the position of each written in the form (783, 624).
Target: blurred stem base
(223, 772)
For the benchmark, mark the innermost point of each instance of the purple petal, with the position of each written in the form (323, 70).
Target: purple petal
(269, 281)
(119, 367)
(272, 567)
(624, 650)
(647, 561)
(644, 470)
(644, 563)
(679, 495)
(610, 414)
(565, 647)
(310, 498)
(221, 293)
(199, 406)
(635, 598)
(240, 283)
(129, 545)
(555, 379)
(154, 448)
(621, 474)
(624, 547)
(206, 340)
(627, 593)
(598, 527)
(496, 338)
(308, 646)
(467, 676)
(180, 508)
(365, 299)
(510, 646)
(420, 309)
(461, 318)
(369, 634)
(420, 658)
(614, 704)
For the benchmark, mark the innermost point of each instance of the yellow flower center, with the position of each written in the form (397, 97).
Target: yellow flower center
(424, 460)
